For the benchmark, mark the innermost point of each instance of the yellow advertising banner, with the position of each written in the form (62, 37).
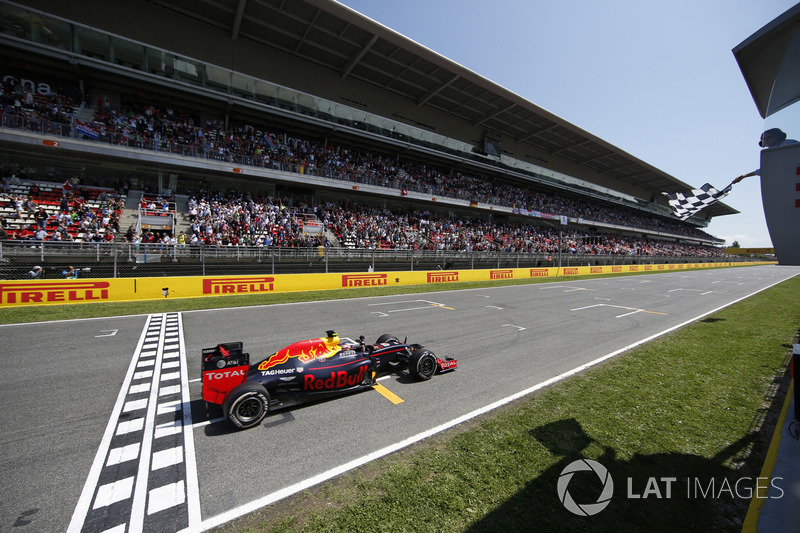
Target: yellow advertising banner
(15, 293)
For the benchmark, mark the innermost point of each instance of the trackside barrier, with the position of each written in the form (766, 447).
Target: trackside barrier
(58, 292)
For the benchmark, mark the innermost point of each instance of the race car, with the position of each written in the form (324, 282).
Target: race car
(305, 371)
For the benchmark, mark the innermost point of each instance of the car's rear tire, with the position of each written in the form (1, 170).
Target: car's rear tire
(422, 364)
(246, 405)
(386, 337)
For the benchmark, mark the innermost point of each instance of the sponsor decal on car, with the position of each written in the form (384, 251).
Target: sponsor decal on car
(277, 372)
(304, 350)
(238, 285)
(364, 280)
(447, 365)
(337, 380)
(59, 291)
(214, 375)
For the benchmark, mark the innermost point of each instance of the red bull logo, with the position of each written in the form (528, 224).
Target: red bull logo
(238, 285)
(442, 277)
(337, 380)
(501, 274)
(539, 272)
(53, 292)
(304, 350)
(364, 280)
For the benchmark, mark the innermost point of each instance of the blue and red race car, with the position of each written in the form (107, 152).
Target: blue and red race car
(305, 371)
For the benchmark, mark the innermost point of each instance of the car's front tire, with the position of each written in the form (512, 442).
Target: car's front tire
(422, 364)
(246, 405)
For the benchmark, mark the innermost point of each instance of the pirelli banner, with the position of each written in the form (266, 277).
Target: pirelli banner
(74, 291)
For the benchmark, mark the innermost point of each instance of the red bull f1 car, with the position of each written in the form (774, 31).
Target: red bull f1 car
(305, 371)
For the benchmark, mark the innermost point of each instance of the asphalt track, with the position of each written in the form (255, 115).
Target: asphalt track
(104, 429)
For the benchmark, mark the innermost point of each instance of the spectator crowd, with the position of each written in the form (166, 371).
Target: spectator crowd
(235, 218)
(241, 218)
(167, 129)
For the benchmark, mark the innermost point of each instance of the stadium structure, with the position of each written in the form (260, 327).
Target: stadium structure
(310, 71)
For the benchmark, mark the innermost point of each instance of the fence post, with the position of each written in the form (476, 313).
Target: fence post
(115, 262)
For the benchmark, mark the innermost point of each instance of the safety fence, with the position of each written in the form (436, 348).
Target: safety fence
(125, 260)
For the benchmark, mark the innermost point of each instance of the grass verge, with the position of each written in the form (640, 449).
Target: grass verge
(697, 406)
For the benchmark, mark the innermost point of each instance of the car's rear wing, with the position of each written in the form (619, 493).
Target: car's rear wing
(224, 367)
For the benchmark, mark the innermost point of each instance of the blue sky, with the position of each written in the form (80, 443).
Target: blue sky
(655, 78)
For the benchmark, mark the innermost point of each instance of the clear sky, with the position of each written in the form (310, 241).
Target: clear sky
(655, 78)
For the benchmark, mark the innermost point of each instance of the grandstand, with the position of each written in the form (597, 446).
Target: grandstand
(301, 125)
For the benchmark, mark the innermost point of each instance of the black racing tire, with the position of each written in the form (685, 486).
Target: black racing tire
(386, 337)
(422, 364)
(246, 405)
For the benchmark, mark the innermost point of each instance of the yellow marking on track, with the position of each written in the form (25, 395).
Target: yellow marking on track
(443, 307)
(389, 395)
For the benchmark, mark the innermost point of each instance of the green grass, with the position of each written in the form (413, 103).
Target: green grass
(698, 405)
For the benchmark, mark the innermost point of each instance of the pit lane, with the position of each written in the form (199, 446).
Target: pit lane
(61, 381)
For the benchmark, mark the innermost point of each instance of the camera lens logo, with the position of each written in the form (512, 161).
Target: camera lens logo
(585, 509)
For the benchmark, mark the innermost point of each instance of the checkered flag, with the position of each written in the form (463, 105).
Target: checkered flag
(686, 204)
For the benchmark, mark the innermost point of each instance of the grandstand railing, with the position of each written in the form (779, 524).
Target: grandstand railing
(112, 260)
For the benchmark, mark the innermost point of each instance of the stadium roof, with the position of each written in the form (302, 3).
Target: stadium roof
(760, 57)
(332, 35)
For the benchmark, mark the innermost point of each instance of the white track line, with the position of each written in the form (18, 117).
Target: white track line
(82, 508)
(138, 507)
(192, 486)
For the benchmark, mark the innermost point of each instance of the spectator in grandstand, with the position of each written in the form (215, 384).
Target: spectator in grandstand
(41, 217)
(69, 273)
(36, 273)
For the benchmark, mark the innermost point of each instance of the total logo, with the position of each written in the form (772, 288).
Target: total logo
(226, 374)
